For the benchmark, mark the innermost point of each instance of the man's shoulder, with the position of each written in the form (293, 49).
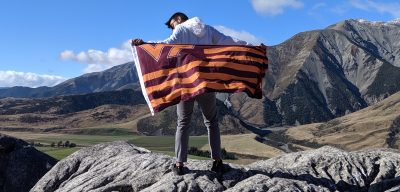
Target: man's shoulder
(179, 28)
(195, 21)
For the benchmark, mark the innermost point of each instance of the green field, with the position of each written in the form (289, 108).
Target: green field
(58, 153)
(162, 144)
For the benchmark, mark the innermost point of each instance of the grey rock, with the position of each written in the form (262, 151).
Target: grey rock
(120, 166)
(21, 166)
(260, 182)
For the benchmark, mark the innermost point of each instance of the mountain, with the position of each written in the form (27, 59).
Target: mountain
(319, 75)
(116, 78)
(101, 112)
(376, 126)
(73, 113)
(314, 76)
(120, 166)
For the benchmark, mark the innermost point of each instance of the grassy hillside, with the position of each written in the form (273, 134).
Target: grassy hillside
(374, 126)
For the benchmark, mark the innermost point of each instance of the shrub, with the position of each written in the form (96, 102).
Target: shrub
(197, 152)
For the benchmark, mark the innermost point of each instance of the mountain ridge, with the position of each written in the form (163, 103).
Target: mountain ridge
(347, 62)
(119, 77)
(313, 76)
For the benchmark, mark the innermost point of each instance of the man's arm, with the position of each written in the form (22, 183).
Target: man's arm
(175, 38)
(221, 39)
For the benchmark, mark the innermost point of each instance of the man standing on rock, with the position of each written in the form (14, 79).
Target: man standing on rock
(193, 31)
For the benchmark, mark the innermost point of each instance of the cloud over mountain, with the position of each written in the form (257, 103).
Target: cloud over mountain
(27, 79)
(98, 60)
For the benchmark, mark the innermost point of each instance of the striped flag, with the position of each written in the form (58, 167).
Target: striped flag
(170, 73)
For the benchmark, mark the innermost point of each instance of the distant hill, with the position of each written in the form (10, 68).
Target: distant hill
(74, 113)
(116, 78)
(375, 126)
(101, 112)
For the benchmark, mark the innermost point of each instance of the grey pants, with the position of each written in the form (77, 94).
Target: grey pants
(207, 103)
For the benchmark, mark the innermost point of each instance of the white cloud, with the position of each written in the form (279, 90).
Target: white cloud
(316, 11)
(242, 35)
(98, 60)
(340, 9)
(27, 79)
(369, 5)
(274, 7)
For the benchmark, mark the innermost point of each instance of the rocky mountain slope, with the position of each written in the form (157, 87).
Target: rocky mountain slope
(372, 127)
(21, 166)
(319, 75)
(120, 166)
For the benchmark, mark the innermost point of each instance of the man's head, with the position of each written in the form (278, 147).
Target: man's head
(176, 18)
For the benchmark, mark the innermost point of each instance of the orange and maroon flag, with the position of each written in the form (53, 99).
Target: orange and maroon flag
(170, 73)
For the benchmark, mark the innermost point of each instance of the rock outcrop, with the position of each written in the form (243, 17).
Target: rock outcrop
(21, 166)
(120, 166)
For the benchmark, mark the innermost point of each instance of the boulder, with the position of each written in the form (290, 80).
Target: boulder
(121, 166)
(21, 165)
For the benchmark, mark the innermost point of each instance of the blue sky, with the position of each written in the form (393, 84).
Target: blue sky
(45, 42)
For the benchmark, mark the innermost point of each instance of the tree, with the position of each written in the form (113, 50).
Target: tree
(59, 144)
(66, 144)
(226, 155)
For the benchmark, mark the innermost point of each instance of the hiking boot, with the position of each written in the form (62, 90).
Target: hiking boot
(218, 167)
(178, 170)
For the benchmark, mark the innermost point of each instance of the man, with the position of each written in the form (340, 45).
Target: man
(193, 31)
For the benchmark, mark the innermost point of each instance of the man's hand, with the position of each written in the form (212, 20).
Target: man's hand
(137, 42)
